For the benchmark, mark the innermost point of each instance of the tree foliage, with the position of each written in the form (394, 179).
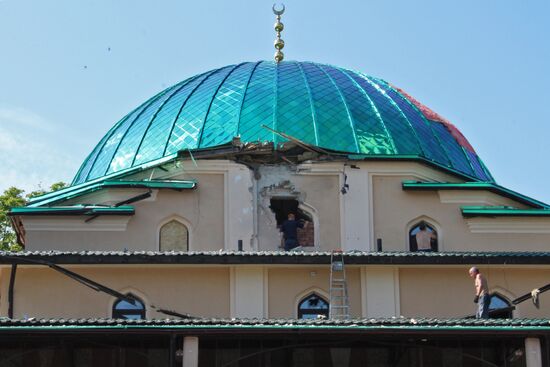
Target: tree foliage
(11, 198)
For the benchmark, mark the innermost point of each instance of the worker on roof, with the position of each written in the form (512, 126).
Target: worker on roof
(481, 297)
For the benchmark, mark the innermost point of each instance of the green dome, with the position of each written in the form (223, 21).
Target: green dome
(325, 106)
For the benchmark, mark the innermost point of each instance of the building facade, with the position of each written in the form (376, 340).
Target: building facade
(178, 212)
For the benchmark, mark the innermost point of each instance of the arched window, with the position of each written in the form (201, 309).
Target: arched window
(174, 236)
(312, 307)
(423, 237)
(125, 310)
(500, 307)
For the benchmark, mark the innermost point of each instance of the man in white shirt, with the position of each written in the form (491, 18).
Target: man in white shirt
(424, 238)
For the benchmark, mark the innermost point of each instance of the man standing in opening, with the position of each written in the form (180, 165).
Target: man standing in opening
(424, 238)
(290, 231)
(482, 297)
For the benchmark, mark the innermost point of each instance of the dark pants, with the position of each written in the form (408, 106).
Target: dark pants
(290, 243)
(483, 307)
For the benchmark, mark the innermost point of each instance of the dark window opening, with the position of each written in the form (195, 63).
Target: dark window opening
(500, 307)
(313, 307)
(125, 310)
(282, 206)
(423, 237)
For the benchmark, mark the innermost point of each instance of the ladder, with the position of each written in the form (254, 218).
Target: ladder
(338, 291)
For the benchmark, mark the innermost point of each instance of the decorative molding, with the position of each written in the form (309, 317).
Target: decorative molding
(232, 293)
(396, 292)
(472, 197)
(266, 292)
(508, 225)
(363, 281)
(101, 224)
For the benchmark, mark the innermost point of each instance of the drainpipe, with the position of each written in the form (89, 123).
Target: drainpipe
(10, 290)
(254, 240)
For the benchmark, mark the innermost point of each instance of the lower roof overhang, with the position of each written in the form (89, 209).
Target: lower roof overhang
(381, 326)
(483, 186)
(272, 258)
(87, 188)
(73, 210)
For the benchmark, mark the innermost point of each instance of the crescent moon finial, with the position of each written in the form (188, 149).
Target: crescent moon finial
(279, 43)
(278, 12)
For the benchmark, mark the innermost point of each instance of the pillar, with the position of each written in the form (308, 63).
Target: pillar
(533, 357)
(190, 351)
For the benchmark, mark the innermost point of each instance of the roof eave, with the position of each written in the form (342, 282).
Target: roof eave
(488, 186)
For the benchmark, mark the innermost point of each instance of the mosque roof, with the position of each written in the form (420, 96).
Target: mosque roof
(301, 326)
(227, 257)
(324, 106)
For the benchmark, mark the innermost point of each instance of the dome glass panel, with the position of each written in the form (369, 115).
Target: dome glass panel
(325, 106)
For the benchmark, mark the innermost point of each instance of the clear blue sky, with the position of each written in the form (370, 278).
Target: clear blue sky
(70, 69)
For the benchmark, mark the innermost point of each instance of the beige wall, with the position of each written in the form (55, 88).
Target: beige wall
(42, 292)
(287, 285)
(272, 291)
(202, 209)
(449, 292)
(395, 209)
(229, 205)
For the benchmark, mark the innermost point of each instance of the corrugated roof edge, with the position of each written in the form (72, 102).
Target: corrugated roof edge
(283, 325)
(153, 184)
(275, 257)
(489, 186)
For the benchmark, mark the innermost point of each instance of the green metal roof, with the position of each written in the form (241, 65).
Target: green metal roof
(502, 211)
(324, 106)
(75, 191)
(487, 186)
(73, 210)
(285, 325)
(395, 322)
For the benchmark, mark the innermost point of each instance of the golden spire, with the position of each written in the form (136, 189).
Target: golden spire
(279, 43)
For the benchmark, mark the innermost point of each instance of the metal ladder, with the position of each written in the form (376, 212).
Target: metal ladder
(339, 300)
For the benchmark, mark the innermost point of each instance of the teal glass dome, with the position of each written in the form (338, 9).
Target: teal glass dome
(325, 106)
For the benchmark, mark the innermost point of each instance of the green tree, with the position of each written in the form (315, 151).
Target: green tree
(54, 187)
(11, 198)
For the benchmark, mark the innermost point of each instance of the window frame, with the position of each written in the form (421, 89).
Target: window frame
(416, 224)
(179, 220)
(301, 312)
(119, 313)
(508, 310)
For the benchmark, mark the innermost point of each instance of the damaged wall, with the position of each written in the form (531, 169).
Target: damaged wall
(318, 194)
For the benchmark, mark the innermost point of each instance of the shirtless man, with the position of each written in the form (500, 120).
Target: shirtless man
(482, 297)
